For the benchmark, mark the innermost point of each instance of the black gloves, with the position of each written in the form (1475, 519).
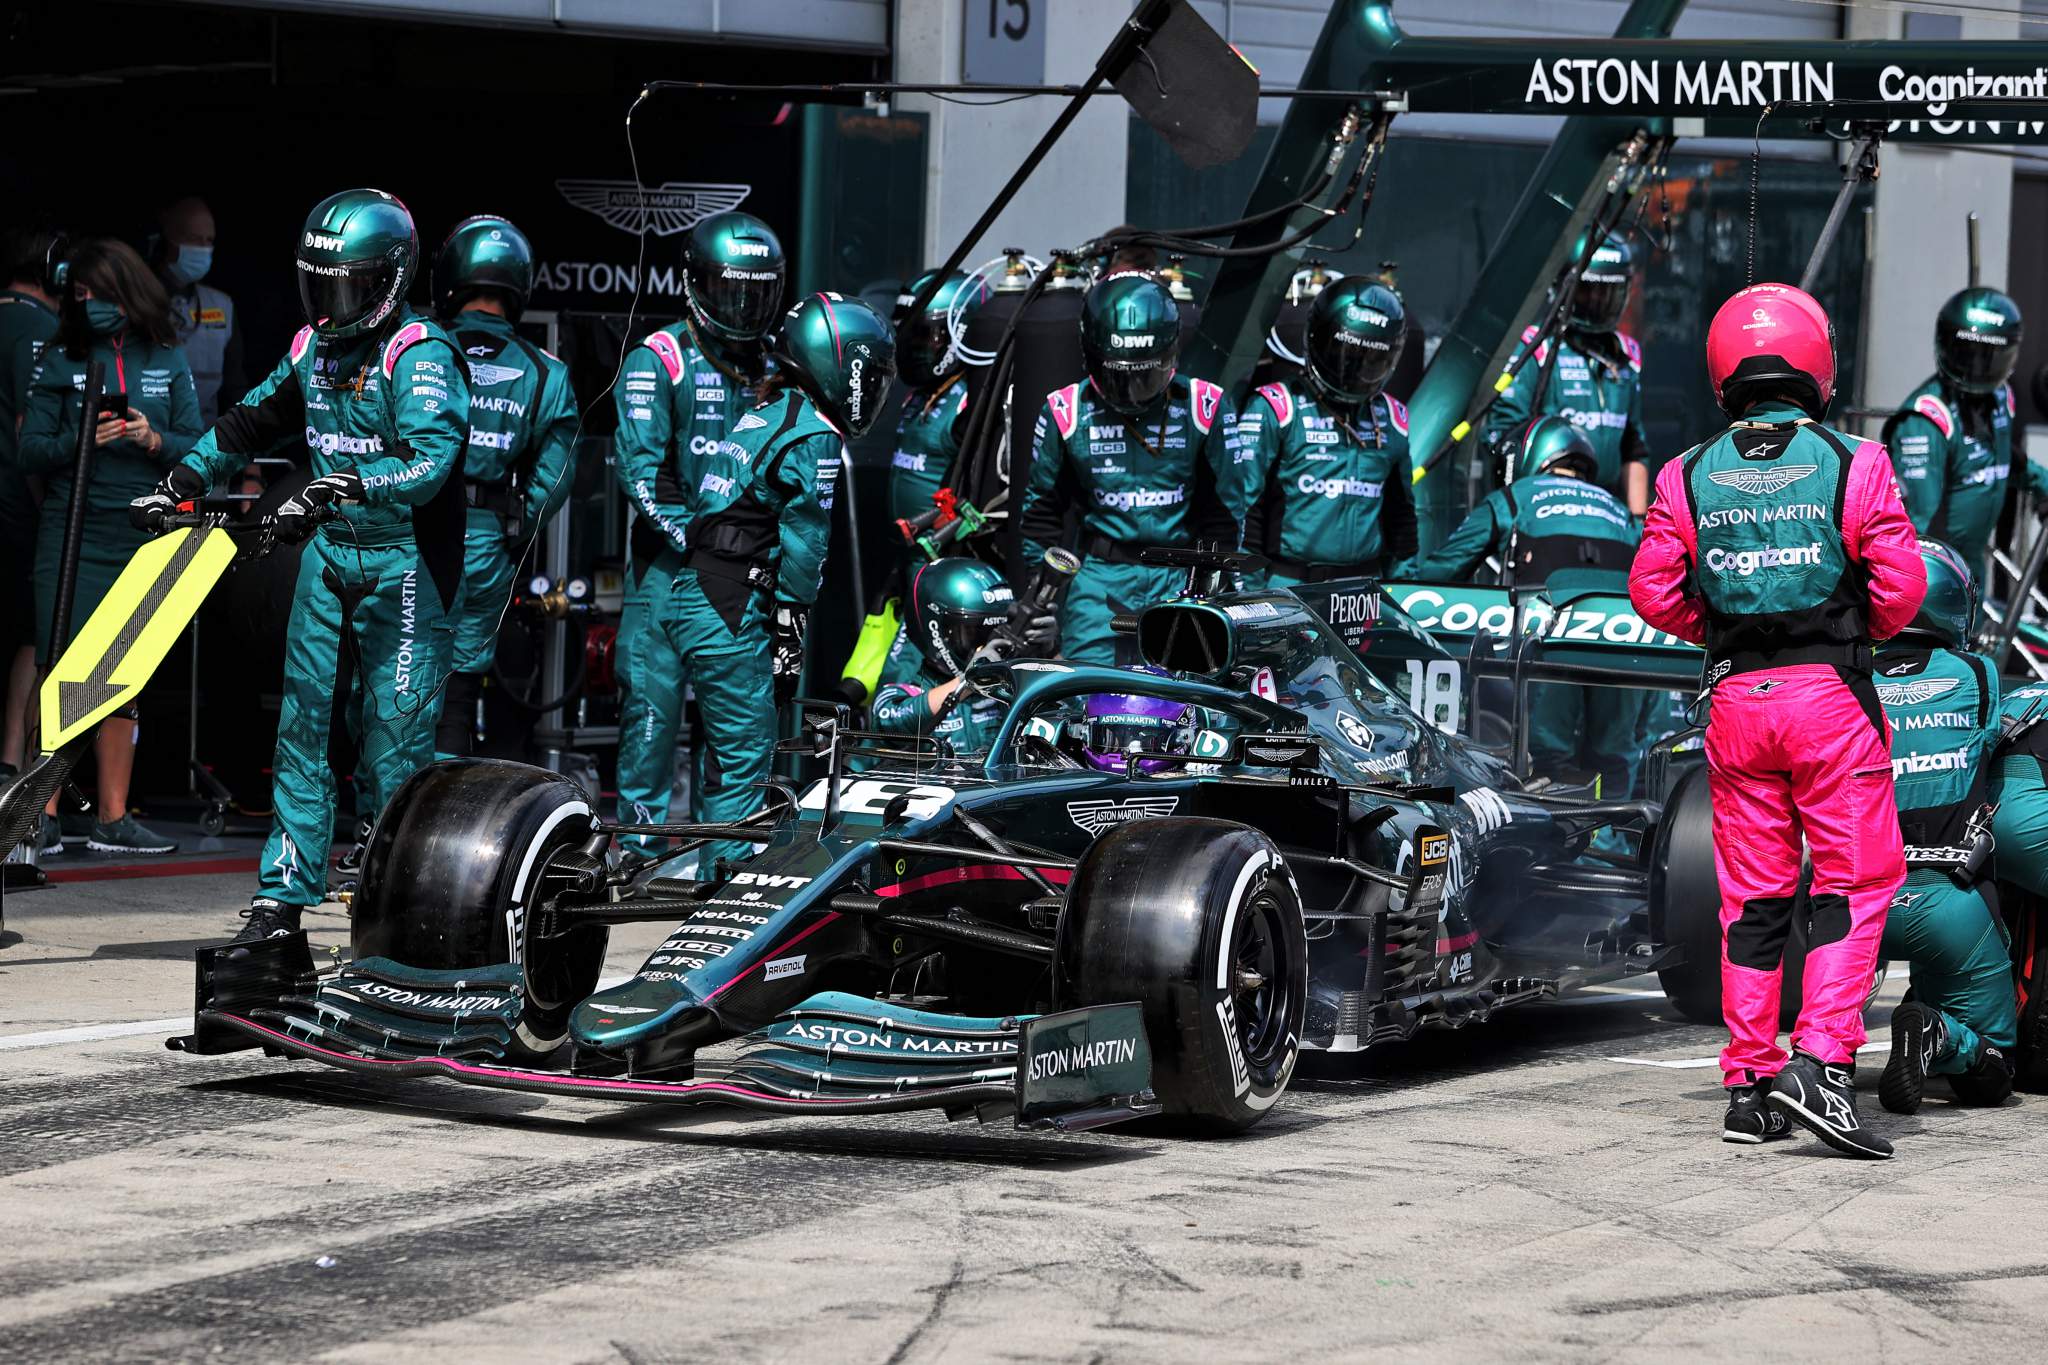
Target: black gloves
(150, 511)
(1035, 628)
(787, 665)
(299, 515)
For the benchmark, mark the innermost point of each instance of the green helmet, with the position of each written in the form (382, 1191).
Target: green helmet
(1977, 340)
(842, 355)
(1130, 340)
(1948, 613)
(1551, 441)
(483, 252)
(733, 268)
(955, 605)
(1355, 330)
(1602, 295)
(925, 354)
(356, 259)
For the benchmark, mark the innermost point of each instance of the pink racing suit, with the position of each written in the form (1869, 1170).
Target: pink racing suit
(1797, 743)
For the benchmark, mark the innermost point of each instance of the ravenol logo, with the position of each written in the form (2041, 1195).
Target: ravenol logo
(1761, 481)
(1747, 562)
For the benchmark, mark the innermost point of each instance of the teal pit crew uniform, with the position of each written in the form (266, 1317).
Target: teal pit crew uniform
(1957, 455)
(1596, 385)
(676, 401)
(1334, 499)
(2021, 824)
(1942, 705)
(393, 408)
(927, 440)
(1169, 478)
(25, 325)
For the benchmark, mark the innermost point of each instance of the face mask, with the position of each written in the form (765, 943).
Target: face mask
(191, 265)
(103, 319)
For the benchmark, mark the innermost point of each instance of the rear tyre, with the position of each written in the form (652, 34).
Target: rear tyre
(1685, 909)
(1199, 922)
(452, 871)
(2030, 954)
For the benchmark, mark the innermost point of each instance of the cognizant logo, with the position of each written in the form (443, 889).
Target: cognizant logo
(1337, 488)
(1954, 761)
(1132, 499)
(334, 443)
(1747, 562)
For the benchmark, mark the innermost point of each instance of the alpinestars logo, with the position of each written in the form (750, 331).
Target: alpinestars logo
(666, 209)
(1093, 817)
(1766, 687)
(1759, 482)
(1915, 693)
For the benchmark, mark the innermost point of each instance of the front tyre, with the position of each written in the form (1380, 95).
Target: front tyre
(1199, 922)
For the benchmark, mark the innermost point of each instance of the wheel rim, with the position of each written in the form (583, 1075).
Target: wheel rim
(1261, 982)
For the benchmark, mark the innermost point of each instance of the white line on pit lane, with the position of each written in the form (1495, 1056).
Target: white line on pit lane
(1700, 1063)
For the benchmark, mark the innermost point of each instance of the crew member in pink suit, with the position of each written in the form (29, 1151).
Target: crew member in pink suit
(1783, 547)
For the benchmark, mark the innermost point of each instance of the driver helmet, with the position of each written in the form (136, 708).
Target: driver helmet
(956, 604)
(1121, 725)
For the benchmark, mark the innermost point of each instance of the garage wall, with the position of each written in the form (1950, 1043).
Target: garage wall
(854, 24)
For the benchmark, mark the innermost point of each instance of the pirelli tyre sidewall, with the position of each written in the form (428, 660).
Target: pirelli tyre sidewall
(1685, 907)
(452, 872)
(1199, 922)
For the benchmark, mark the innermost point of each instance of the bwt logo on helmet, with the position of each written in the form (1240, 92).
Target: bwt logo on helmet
(320, 241)
(1370, 316)
(751, 249)
(1130, 500)
(1747, 562)
(1338, 488)
(334, 443)
(1131, 341)
(1983, 317)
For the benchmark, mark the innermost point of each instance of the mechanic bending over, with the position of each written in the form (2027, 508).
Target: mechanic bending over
(1596, 379)
(1552, 528)
(762, 519)
(1329, 457)
(1139, 457)
(1781, 546)
(1959, 448)
(1961, 1020)
(113, 311)
(522, 433)
(956, 609)
(680, 390)
(380, 395)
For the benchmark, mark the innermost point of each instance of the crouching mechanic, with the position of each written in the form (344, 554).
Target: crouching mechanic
(956, 608)
(1330, 457)
(1782, 547)
(379, 395)
(1138, 456)
(1553, 527)
(522, 433)
(736, 622)
(1960, 1019)
(680, 390)
(1955, 439)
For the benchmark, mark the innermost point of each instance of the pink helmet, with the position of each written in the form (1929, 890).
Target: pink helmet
(1771, 334)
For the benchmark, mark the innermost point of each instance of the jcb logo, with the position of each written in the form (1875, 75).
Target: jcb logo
(322, 242)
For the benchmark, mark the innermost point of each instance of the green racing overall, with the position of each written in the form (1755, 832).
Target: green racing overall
(1596, 384)
(1957, 455)
(1334, 497)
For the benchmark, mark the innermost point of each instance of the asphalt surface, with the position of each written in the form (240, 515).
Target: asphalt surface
(1550, 1186)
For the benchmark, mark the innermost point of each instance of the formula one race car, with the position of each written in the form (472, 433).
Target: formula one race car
(1302, 863)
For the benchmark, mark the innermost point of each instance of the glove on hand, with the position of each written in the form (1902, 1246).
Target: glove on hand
(1035, 629)
(791, 622)
(150, 511)
(299, 515)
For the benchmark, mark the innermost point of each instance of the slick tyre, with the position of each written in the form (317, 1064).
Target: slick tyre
(452, 871)
(2030, 954)
(1685, 908)
(1199, 922)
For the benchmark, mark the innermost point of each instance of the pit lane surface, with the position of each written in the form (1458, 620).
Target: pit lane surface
(1512, 1189)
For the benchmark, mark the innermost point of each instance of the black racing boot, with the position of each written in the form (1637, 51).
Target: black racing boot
(1821, 1097)
(1919, 1035)
(1988, 1083)
(268, 918)
(350, 863)
(1749, 1119)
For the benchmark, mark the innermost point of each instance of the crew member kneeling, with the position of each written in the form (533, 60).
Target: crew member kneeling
(955, 607)
(1783, 548)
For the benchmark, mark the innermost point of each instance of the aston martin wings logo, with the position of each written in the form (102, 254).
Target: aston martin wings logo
(1761, 481)
(1093, 817)
(1914, 693)
(664, 210)
(484, 374)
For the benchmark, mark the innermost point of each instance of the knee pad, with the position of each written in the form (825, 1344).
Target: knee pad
(1987, 1084)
